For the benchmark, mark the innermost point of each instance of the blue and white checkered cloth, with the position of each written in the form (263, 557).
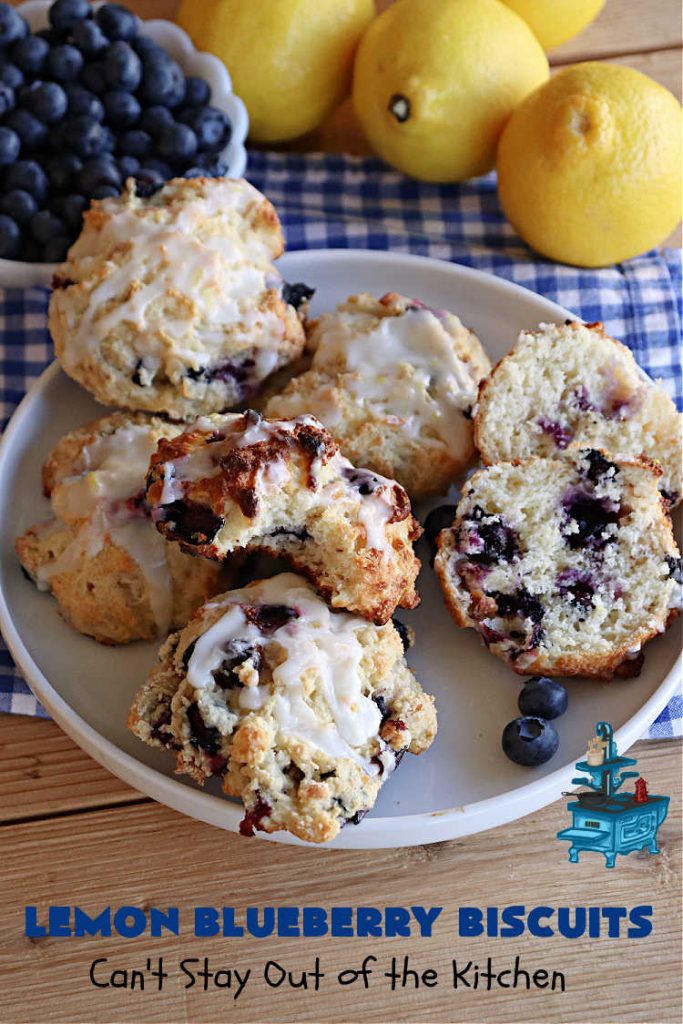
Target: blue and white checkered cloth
(327, 201)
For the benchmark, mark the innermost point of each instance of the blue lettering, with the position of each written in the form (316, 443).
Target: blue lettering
(58, 921)
(315, 921)
(159, 919)
(397, 922)
(536, 915)
(230, 929)
(564, 925)
(594, 922)
(86, 925)
(260, 931)
(130, 931)
(640, 919)
(288, 922)
(513, 921)
(614, 916)
(426, 918)
(342, 922)
(368, 922)
(31, 926)
(469, 921)
(206, 921)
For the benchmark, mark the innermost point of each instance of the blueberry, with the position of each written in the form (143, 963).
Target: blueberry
(268, 618)
(81, 101)
(62, 169)
(161, 168)
(147, 182)
(18, 205)
(122, 109)
(135, 143)
(29, 54)
(30, 130)
(543, 698)
(144, 45)
(45, 100)
(403, 633)
(530, 741)
(94, 78)
(99, 172)
(592, 516)
(197, 92)
(437, 520)
(191, 522)
(163, 81)
(117, 22)
(12, 25)
(89, 38)
(598, 465)
(10, 74)
(105, 192)
(178, 144)
(71, 209)
(127, 165)
(29, 176)
(9, 146)
(66, 14)
(46, 225)
(84, 136)
(55, 249)
(195, 172)
(10, 236)
(210, 125)
(122, 67)
(213, 167)
(155, 120)
(64, 63)
(7, 100)
(51, 37)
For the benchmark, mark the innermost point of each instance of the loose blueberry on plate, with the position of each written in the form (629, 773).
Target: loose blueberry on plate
(543, 697)
(530, 741)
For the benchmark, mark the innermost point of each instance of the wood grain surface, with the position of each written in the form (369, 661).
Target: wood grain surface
(72, 833)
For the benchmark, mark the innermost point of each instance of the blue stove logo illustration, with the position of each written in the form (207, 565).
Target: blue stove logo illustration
(603, 819)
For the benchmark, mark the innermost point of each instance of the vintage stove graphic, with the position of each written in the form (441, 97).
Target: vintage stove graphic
(604, 820)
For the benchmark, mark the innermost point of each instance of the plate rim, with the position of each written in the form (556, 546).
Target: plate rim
(373, 832)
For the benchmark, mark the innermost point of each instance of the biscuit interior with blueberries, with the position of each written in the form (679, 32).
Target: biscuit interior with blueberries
(302, 711)
(170, 302)
(573, 384)
(394, 382)
(113, 576)
(282, 487)
(565, 566)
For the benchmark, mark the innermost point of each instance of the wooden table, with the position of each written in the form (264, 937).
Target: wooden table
(71, 833)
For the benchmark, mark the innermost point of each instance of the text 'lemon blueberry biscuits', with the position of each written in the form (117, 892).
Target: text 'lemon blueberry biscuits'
(572, 384)
(304, 712)
(113, 575)
(282, 487)
(565, 566)
(394, 382)
(170, 302)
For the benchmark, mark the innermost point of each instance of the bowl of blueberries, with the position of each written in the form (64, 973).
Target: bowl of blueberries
(90, 96)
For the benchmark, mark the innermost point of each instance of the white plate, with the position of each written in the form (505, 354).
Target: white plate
(171, 37)
(464, 783)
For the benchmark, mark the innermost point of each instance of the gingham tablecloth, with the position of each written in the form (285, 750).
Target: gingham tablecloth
(328, 201)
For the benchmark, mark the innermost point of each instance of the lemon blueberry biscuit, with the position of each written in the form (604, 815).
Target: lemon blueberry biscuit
(113, 576)
(572, 384)
(170, 302)
(565, 566)
(282, 487)
(304, 712)
(393, 381)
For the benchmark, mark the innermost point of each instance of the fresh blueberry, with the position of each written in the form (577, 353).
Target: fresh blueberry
(55, 249)
(195, 172)
(437, 520)
(96, 173)
(214, 167)
(89, 38)
(82, 101)
(71, 209)
(147, 182)
(94, 78)
(45, 100)
(163, 81)
(117, 22)
(29, 54)
(127, 165)
(64, 63)
(12, 25)
(109, 140)
(65, 15)
(50, 35)
(144, 45)
(197, 92)
(135, 143)
(18, 205)
(122, 67)
(10, 74)
(178, 144)
(543, 698)
(7, 99)
(9, 146)
(210, 125)
(32, 132)
(155, 120)
(161, 168)
(105, 192)
(61, 170)
(84, 136)
(46, 225)
(122, 109)
(29, 176)
(10, 236)
(530, 741)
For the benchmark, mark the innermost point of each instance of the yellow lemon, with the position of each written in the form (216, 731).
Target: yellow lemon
(435, 81)
(290, 60)
(589, 166)
(555, 22)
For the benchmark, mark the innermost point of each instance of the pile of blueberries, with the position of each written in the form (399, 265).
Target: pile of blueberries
(84, 105)
(532, 739)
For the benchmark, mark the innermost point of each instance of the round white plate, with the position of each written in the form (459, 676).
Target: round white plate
(17, 273)
(464, 783)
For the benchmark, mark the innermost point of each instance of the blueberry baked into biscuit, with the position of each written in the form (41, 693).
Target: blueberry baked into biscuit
(170, 302)
(113, 576)
(393, 381)
(282, 487)
(565, 566)
(302, 711)
(572, 384)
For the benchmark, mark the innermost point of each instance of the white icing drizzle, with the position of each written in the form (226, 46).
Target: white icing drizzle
(319, 645)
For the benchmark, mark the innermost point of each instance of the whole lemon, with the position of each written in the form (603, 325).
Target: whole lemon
(290, 60)
(435, 80)
(589, 166)
(554, 23)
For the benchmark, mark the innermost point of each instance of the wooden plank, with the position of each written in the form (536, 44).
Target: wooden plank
(44, 772)
(147, 855)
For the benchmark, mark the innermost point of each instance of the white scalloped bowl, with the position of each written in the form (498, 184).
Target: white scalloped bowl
(193, 62)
